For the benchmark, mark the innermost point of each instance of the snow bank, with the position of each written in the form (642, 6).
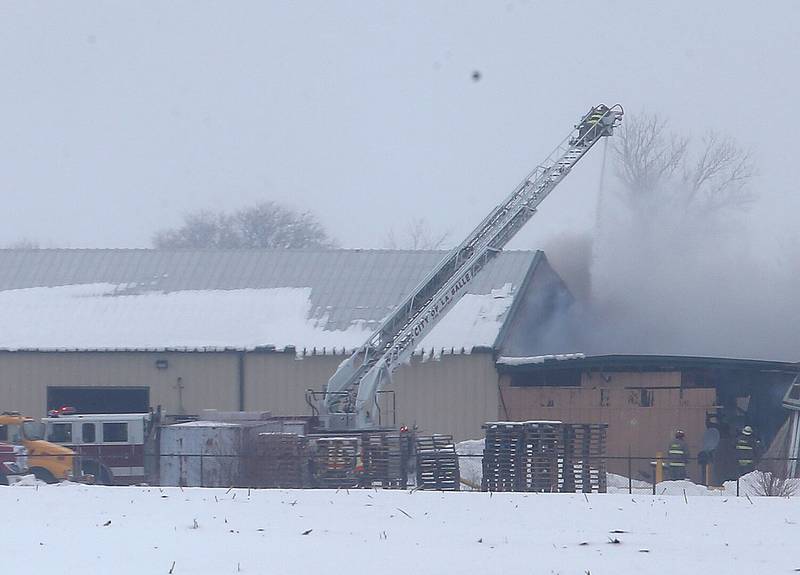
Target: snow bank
(471, 461)
(749, 484)
(212, 531)
(108, 316)
(471, 468)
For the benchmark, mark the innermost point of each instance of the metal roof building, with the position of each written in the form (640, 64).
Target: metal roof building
(123, 330)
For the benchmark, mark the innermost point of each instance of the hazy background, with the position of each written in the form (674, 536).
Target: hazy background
(116, 119)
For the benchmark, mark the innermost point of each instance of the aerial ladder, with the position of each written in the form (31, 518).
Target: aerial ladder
(349, 401)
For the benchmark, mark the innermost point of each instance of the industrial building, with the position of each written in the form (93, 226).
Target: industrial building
(645, 399)
(127, 330)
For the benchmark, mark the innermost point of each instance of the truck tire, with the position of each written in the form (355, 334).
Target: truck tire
(43, 474)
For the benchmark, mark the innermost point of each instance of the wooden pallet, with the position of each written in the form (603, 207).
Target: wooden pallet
(437, 463)
(333, 462)
(385, 458)
(544, 456)
(277, 460)
(583, 458)
(503, 456)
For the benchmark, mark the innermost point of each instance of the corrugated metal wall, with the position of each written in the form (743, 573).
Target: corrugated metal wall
(278, 381)
(455, 394)
(208, 379)
(616, 399)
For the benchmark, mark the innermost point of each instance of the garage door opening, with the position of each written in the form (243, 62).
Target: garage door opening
(100, 399)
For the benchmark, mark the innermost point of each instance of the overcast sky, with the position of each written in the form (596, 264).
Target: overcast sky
(117, 118)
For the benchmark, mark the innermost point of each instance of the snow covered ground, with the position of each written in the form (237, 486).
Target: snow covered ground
(138, 530)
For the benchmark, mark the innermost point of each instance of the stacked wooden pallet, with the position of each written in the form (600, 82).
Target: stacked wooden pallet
(521, 456)
(333, 462)
(437, 463)
(385, 459)
(583, 463)
(544, 456)
(541, 444)
(277, 460)
(503, 456)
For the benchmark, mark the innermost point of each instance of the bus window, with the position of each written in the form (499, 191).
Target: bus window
(88, 433)
(115, 432)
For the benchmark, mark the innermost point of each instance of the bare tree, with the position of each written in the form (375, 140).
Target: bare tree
(265, 225)
(23, 244)
(416, 236)
(655, 164)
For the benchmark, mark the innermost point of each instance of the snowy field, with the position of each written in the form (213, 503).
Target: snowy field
(135, 530)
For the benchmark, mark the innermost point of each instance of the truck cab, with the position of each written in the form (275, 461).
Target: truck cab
(48, 461)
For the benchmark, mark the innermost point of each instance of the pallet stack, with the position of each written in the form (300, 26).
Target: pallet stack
(583, 463)
(503, 456)
(544, 456)
(277, 460)
(437, 463)
(541, 443)
(385, 459)
(333, 462)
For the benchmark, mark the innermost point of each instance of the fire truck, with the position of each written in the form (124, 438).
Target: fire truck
(349, 400)
(110, 447)
(13, 461)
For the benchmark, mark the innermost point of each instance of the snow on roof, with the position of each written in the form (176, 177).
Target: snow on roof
(132, 314)
(208, 424)
(506, 360)
(474, 321)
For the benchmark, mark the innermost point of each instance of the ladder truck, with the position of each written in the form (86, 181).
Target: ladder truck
(349, 400)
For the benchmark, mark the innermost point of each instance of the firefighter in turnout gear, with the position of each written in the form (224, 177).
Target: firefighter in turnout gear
(589, 126)
(677, 457)
(746, 451)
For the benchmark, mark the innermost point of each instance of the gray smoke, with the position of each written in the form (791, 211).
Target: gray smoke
(660, 280)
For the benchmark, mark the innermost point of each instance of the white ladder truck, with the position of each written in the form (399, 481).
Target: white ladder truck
(349, 401)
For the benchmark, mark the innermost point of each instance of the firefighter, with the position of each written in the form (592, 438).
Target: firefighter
(589, 126)
(677, 456)
(746, 451)
(360, 471)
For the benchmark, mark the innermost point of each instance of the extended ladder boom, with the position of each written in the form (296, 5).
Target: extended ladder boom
(371, 365)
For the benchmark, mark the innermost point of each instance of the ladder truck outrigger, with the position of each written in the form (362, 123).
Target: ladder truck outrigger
(349, 401)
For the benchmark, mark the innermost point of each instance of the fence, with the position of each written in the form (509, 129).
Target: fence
(772, 476)
(336, 467)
